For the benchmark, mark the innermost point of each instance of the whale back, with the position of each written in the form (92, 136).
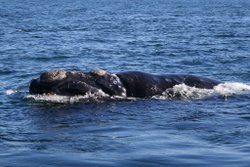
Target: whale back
(140, 84)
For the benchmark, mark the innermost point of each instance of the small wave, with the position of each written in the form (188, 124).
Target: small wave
(10, 91)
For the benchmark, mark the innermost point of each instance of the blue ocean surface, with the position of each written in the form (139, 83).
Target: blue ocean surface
(210, 38)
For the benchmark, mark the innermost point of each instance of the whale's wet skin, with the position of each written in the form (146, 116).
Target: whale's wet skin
(122, 117)
(77, 83)
(125, 84)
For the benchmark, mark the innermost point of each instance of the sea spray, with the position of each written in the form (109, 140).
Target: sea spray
(180, 92)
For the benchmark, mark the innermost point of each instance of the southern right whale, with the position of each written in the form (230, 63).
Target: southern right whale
(127, 84)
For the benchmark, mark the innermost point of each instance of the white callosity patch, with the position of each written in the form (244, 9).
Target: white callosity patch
(53, 75)
(99, 72)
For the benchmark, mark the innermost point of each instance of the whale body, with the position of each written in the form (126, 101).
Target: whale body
(127, 84)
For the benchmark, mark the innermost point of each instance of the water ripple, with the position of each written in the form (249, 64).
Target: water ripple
(208, 38)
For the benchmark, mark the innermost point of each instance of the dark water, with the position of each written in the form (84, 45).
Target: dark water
(204, 37)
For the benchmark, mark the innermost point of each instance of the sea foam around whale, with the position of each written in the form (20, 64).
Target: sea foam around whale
(185, 92)
(181, 92)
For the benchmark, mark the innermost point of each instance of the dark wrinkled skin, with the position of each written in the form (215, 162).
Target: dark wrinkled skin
(76, 83)
(128, 84)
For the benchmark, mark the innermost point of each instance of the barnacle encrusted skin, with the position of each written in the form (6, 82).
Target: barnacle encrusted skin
(99, 72)
(53, 75)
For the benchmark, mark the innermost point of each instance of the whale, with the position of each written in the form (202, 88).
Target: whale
(127, 84)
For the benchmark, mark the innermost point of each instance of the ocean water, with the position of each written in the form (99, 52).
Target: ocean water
(204, 37)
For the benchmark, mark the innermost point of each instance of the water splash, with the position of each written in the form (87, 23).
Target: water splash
(231, 88)
(182, 92)
(185, 92)
(69, 99)
(10, 91)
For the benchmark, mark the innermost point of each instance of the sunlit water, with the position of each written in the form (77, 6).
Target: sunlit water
(203, 128)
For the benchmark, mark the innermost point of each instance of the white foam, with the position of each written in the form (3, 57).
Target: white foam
(231, 88)
(10, 92)
(68, 99)
(181, 91)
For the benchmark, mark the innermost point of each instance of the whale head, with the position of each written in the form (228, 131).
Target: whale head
(62, 82)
